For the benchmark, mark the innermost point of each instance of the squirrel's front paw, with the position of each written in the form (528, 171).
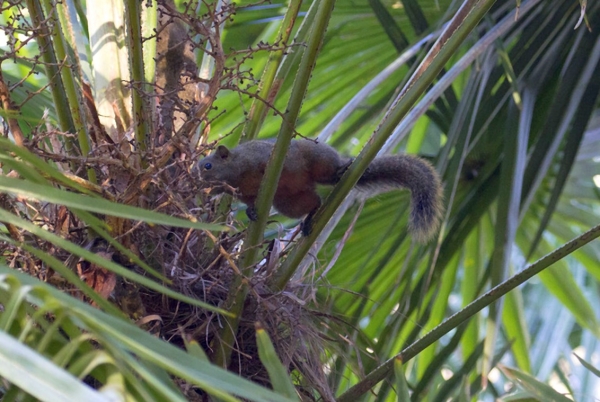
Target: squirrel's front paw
(307, 223)
(251, 212)
(340, 172)
(306, 227)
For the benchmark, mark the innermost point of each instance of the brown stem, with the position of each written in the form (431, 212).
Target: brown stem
(7, 105)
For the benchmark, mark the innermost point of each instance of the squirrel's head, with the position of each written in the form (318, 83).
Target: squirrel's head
(216, 167)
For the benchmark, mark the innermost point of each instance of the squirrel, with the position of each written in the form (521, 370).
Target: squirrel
(308, 163)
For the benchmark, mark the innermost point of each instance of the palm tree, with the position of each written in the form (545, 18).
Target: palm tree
(119, 265)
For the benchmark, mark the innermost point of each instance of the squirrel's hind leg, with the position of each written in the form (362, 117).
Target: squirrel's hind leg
(251, 213)
(297, 205)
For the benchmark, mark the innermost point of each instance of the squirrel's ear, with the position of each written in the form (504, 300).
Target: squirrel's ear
(222, 151)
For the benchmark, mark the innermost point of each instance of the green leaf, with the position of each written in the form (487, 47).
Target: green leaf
(587, 365)
(535, 387)
(96, 259)
(280, 380)
(513, 318)
(195, 349)
(137, 342)
(401, 384)
(560, 282)
(98, 205)
(41, 378)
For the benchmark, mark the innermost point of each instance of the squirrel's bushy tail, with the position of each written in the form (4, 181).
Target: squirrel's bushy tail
(420, 178)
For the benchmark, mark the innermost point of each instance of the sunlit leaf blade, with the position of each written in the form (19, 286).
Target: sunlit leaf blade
(587, 365)
(37, 375)
(535, 387)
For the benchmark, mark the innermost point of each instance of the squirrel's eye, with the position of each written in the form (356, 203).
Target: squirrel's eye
(208, 166)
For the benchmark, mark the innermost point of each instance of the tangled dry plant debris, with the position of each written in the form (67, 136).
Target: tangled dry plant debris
(199, 264)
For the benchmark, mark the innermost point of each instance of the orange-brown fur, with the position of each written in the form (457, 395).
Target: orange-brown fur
(308, 163)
